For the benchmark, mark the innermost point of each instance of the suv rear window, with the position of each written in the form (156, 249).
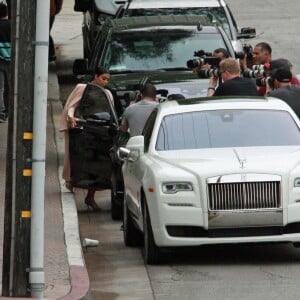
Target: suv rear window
(217, 12)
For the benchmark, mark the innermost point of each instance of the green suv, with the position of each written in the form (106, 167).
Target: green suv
(96, 11)
(154, 49)
(151, 49)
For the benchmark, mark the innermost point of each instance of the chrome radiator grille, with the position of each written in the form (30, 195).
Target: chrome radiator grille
(244, 195)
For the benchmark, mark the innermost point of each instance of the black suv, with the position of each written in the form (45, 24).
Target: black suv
(96, 11)
(154, 49)
(151, 49)
(94, 14)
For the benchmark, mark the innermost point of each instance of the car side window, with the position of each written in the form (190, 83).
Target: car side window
(182, 131)
(148, 129)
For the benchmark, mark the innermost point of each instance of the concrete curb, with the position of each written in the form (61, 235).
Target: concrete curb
(78, 273)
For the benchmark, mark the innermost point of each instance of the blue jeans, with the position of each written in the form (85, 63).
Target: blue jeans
(2, 84)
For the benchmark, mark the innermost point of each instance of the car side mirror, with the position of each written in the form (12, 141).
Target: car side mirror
(247, 33)
(134, 149)
(80, 67)
(123, 153)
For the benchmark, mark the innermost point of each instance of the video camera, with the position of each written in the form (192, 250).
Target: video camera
(203, 58)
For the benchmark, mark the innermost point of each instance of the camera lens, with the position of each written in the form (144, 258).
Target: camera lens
(253, 74)
(193, 63)
(208, 73)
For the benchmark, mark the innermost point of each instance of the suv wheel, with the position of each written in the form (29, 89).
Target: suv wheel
(132, 236)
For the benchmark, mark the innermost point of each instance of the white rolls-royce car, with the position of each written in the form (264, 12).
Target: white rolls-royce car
(213, 171)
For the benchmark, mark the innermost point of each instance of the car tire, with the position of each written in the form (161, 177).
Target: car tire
(115, 208)
(132, 236)
(151, 253)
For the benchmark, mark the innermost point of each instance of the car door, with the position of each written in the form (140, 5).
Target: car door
(136, 171)
(92, 139)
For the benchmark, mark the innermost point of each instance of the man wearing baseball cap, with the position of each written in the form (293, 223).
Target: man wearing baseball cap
(283, 63)
(285, 90)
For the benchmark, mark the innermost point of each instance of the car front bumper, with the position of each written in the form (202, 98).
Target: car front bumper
(171, 223)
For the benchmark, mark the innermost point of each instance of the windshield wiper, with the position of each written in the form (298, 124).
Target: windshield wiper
(175, 69)
(126, 71)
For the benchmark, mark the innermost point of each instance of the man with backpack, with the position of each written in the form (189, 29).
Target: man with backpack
(5, 53)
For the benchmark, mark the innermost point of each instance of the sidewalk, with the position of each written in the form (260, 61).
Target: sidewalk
(65, 272)
(66, 276)
(115, 271)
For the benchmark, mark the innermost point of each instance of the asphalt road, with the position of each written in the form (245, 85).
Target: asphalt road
(276, 22)
(246, 272)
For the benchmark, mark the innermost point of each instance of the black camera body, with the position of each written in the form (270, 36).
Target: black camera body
(264, 80)
(203, 58)
(247, 50)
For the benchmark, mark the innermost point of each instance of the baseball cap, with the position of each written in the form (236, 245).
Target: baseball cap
(280, 63)
(283, 75)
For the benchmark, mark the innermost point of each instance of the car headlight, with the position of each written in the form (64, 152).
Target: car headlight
(297, 182)
(174, 187)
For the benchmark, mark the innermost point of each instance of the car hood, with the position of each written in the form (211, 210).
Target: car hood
(185, 83)
(211, 162)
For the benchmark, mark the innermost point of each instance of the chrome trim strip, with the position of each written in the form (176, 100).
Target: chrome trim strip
(235, 219)
(247, 195)
(243, 177)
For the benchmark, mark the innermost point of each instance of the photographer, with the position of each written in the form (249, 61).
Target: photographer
(261, 54)
(282, 63)
(220, 53)
(285, 90)
(136, 114)
(233, 84)
(266, 73)
(207, 64)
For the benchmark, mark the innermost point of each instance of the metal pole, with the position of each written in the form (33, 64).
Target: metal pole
(36, 275)
(14, 150)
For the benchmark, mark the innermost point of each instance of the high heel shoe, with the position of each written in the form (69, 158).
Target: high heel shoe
(90, 203)
(69, 186)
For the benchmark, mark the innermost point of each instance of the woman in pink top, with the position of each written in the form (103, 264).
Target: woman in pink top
(68, 121)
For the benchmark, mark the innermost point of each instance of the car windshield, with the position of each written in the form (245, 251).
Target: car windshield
(227, 128)
(157, 49)
(218, 13)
